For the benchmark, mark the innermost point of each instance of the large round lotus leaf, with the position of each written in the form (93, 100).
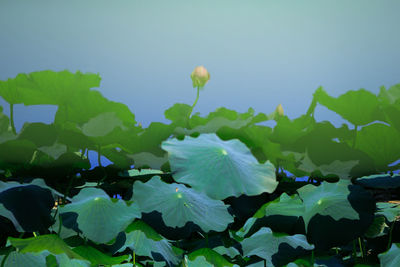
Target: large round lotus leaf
(97, 257)
(51, 243)
(55, 150)
(28, 206)
(391, 211)
(200, 261)
(285, 205)
(16, 152)
(98, 216)
(47, 87)
(145, 241)
(340, 168)
(24, 259)
(40, 134)
(219, 168)
(179, 205)
(102, 124)
(391, 258)
(381, 143)
(231, 252)
(339, 221)
(285, 208)
(148, 160)
(327, 199)
(211, 257)
(358, 107)
(391, 95)
(267, 245)
(380, 181)
(64, 261)
(178, 114)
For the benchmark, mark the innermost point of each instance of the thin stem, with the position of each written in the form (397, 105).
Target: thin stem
(355, 136)
(192, 107)
(134, 258)
(12, 119)
(361, 249)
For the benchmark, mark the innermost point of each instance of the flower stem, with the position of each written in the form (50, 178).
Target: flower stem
(361, 248)
(191, 108)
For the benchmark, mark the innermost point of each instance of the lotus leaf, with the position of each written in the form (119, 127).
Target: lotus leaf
(94, 208)
(97, 257)
(211, 257)
(381, 143)
(327, 199)
(358, 107)
(265, 244)
(380, 181)
(102, 125)
(55, 150)
(28, 206)
(391, 211)
(24, 259)
(51, 243)
(391, 258)
(337, 167)
(144, 241)
(231, 252)
(219, 168)
(179, 205)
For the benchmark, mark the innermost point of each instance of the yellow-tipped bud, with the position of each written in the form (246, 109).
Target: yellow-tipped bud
(200, 76)
(279, 110)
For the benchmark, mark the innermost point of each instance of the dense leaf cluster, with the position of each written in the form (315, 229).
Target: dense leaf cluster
(204, 191)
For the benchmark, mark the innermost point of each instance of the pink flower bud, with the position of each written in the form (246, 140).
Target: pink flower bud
(200, 76)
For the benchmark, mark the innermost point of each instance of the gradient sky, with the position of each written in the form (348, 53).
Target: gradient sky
(259, 53)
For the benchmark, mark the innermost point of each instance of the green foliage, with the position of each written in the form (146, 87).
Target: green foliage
(358, 107)
(92, 209)
(390, 258)
(145, 241)
(265, 244)
(327, 199)
(219, 168)
(193, 178)
(179, 205)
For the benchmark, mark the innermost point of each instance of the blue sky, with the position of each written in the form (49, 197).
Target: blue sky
(259, 53)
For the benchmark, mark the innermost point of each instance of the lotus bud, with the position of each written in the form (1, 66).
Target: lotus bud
(279, 110)
(200, 77)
